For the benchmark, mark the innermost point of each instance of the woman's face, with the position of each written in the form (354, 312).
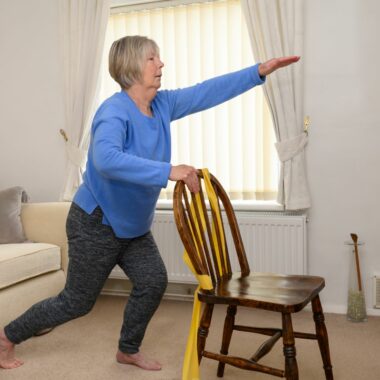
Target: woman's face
(152, 71)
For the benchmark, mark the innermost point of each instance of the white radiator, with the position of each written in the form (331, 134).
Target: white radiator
(273, 242)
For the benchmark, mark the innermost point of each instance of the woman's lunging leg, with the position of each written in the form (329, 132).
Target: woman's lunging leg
(142, 263)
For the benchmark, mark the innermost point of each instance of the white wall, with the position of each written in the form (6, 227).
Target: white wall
(31, 104)
(341, 85)
(342, 98)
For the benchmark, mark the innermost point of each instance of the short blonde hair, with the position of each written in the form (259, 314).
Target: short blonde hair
(126, 59)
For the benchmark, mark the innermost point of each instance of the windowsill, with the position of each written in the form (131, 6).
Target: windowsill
(164, 204)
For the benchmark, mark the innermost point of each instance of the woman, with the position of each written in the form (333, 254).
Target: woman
(111, 214)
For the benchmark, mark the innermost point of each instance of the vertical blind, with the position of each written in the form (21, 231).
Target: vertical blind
(235, 140)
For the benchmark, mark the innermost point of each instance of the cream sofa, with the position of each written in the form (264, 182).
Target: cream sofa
(36, 269)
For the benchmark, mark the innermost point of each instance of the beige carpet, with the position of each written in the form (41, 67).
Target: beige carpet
(85, 348)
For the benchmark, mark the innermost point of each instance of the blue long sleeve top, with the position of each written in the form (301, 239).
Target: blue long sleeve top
(129, 154)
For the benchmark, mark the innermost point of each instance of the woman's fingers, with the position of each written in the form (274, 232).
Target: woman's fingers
(187, 174)
(273, 64)
(192, 183)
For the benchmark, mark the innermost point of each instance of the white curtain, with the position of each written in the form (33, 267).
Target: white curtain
(83, 27)
(276, 29)
(198, 41)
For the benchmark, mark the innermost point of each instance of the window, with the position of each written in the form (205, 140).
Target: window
(198, 41)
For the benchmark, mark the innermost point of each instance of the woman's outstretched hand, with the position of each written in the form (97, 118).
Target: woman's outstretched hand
(275, 63)
(187, 174)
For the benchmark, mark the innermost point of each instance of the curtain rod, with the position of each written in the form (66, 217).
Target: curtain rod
(138, 5)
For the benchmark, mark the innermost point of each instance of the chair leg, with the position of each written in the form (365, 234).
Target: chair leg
(204, 326)
(322, 337)
(291, 368)
(227, 334)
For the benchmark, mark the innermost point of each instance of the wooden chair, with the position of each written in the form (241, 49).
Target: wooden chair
(285, 294)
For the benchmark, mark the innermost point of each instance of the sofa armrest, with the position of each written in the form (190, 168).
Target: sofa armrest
(46, 223)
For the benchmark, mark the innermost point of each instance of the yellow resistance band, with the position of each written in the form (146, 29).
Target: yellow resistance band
(190, 370)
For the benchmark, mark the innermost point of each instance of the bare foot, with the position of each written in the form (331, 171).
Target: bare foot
(138, 360)
(7, 353)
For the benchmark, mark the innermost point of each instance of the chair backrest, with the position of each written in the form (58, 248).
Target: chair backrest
(201, 234)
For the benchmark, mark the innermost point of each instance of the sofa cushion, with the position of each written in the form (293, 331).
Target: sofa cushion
(11, 230)
(19, 262)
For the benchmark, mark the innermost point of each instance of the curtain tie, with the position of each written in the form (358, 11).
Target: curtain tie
(290, 148)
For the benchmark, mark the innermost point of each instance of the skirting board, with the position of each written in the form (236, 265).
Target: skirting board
(185, 292)
(174, 291)
(342, 309)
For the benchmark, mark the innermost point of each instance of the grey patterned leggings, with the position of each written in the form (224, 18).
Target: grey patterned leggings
(93, 252)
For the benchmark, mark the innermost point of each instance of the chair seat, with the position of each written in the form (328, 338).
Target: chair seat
(284, 293)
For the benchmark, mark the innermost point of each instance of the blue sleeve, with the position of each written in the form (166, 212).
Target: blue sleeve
(109, 134)
(212, 92)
